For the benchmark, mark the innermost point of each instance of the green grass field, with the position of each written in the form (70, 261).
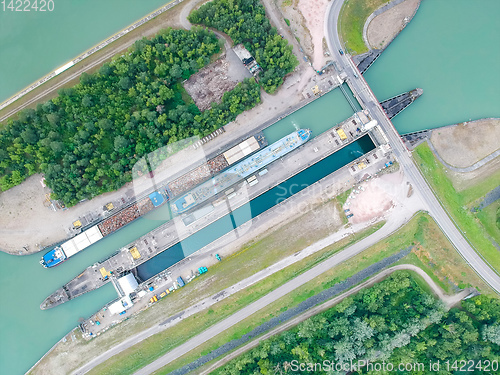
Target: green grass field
(352, 19)
(488, 218)
(232, 270)
(433, 254)
(458, 203)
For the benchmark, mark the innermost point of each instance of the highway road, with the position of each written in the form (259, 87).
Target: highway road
(367, 99)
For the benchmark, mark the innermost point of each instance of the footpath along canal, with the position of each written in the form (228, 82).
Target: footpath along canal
(450, 53)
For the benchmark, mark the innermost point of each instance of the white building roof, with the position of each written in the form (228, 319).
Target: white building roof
(128, 284)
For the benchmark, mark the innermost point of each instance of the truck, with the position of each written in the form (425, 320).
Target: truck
(180, 282)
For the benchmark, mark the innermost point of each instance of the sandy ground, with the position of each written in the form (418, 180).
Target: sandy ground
(384, 27)
(464, 144)
(298, 24)
(314, 13)
(28, 224)
(379, 196)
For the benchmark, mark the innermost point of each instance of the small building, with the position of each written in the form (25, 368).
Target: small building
(247, 59)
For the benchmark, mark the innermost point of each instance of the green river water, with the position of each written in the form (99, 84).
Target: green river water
(450, 52)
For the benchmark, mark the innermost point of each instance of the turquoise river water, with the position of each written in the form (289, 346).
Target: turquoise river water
(450, 52)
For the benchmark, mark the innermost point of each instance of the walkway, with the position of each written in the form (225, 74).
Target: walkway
(471, 168)
(449, 301)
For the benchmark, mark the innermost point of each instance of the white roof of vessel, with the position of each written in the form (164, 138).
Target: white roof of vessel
(93, 234)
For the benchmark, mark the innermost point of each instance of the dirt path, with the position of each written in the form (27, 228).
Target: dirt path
(314, 13)
(449, 301)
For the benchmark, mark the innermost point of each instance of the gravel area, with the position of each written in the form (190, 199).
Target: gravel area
(464, 144)
(386, 26)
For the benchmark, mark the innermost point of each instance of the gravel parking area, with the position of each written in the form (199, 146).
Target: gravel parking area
(465, 144)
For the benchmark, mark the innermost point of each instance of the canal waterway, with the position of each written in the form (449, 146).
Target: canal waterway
(33, 44)
(21, 320)
(450, 52)
(255, 207)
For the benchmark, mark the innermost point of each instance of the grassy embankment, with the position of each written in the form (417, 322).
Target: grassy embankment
(138, 356)
(458, 203)
(352, 18)
(488, 217)
(433, 254)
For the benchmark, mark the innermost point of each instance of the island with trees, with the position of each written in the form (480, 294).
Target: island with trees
(87, 139)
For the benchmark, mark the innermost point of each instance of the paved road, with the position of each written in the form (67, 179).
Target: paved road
(369, 101)
(393, 224)
(449, 301)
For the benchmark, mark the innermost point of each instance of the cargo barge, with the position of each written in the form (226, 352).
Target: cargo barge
(238, 172)
(127, 258)
(61, 253)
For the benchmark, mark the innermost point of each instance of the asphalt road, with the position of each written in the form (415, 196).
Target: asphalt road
(392, 225)
(367, 99)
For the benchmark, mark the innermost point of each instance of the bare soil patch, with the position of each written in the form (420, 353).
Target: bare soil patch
(464, 144)
(298, 24)
(374, 198)
(210, 83)
(27, 224)
(314, 14)
(384, 27)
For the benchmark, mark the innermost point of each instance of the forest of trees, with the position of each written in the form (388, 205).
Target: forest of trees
(245, 22)
(394, 321)
(87, 139)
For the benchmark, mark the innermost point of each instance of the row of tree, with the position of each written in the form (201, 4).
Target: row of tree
(88, 138)
(394, 322)
(465, 340)
(245, 22)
